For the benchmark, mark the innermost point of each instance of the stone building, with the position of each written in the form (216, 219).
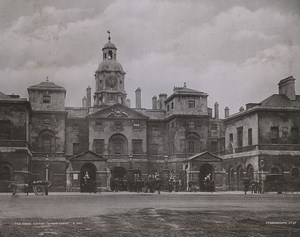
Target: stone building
(265, 138)
(105, 139)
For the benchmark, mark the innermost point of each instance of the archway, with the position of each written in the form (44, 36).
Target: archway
(119, 179)
(240, 178)
(250, 172)
(88, 174)
(5, 172)
(206, 175)
(6, 176)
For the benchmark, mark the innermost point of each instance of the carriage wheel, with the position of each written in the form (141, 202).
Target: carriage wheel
(39, 190)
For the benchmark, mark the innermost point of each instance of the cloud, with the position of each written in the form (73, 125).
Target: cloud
(236, 54)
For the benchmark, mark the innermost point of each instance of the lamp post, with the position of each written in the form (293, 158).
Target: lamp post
(47, 163)
(130, 161)
(130, 178)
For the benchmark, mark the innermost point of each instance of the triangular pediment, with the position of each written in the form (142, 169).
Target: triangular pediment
(205, 157)
(117, 111)
(88, 156)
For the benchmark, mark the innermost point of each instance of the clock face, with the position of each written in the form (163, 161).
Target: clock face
(111, 81)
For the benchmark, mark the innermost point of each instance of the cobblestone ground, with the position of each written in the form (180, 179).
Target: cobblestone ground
(151, 215)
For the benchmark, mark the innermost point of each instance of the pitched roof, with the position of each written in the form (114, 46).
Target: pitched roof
(5, 97)
(46, 85)
(205, 156)
(278, 100)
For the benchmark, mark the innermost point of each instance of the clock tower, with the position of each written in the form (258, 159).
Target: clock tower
(109, 78)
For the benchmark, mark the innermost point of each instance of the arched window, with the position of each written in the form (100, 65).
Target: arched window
(118, 145)
(5, 172)
(250, 172)
(47, 141)
(110, 54)
(193, 144)
(276, 169)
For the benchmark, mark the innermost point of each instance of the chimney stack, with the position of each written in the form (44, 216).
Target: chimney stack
(84, 101)
(216, 110)
(154, 102)
(89, 97)
(128, 103)
(242, 109)
(138, 98)
(287, 87)
(162, 98)
(226, 112)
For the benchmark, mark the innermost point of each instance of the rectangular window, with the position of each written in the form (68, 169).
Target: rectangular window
(274, 135)
(47, 144)
(75, 130)
(46, 99)
(249, 136)
(191, 104)
(172, 105)
(137, 146)
(99, 146)
(214, 146)
(192, 125)
(191, 146)
(154, 149)
(75, 148)
(240, 137)
(168, 107)
(295, 135)
(5, 129)
(118, 148)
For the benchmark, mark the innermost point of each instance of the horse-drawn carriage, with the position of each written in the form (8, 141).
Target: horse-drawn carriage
(39, 187)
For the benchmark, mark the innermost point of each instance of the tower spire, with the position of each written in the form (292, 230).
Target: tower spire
(109, 38)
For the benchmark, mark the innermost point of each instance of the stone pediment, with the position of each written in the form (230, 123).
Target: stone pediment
(205, 157)
(117, 111)
(87, 156)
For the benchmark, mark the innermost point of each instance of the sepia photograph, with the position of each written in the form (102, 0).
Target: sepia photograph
(149, 118)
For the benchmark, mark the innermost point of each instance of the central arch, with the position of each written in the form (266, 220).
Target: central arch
(206, 170)
(88, 174)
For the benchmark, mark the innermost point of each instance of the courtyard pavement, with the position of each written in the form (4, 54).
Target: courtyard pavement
(150, 214)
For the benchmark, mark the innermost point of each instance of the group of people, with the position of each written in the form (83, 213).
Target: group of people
(174, 183)
(252, 185)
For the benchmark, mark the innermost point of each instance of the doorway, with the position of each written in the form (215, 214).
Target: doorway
(206, 178)
(88, 178)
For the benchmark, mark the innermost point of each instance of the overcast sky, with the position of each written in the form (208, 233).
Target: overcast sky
(236, 51)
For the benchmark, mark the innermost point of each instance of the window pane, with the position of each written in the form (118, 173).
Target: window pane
(249, 136)
(4, 173)
(274, 135)
(191, 104)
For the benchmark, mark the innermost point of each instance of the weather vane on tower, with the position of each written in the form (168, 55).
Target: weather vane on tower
(109, 35)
